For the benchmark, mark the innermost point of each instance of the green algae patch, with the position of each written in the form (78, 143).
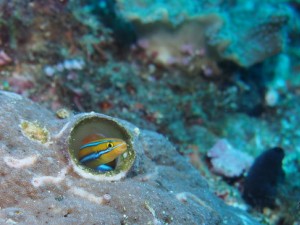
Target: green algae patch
(63, 113)
(34, 131)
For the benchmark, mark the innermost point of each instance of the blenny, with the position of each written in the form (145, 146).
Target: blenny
(260, 185)
(98, 152)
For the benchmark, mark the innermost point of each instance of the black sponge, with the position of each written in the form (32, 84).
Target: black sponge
(263, 177)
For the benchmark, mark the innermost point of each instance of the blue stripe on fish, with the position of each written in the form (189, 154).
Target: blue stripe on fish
(104, 168)
(94, 144)
(93, 156)
(96, 155)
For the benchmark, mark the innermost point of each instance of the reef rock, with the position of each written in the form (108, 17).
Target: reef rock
(212, 30)
(41, 184)
(227, 161)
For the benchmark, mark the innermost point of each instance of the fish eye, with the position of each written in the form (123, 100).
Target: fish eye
(109, 145)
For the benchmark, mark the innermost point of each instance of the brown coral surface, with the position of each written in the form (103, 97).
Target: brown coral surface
(40, 186)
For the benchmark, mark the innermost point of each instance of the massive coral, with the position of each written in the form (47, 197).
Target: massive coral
(218, 29)
(40, 184)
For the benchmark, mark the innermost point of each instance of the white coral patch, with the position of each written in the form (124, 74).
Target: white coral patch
(20, 163)
(44, 180)
(91, 197)
(184, 196)
(227, 161)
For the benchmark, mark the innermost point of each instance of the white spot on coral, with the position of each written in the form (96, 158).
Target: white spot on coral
(271, 97)
(44, 180)
(137, 131)
(244, 219)
(184, 196)
(20, 163)
(155, 220)
(91, 197)
(10, 221)
(125, 154)
(106, 198)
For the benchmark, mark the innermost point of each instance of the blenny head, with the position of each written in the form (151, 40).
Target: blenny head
(117, 146)
(97, 152)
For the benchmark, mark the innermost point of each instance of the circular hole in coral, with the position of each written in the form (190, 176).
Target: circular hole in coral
(92, 137)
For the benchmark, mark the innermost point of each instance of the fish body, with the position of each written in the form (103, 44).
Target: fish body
(260, 185)
(97, 153)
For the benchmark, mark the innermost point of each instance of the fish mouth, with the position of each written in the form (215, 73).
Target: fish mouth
(121, 147)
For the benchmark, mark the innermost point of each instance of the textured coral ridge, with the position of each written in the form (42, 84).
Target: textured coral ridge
(212, 27)
(39, 185)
